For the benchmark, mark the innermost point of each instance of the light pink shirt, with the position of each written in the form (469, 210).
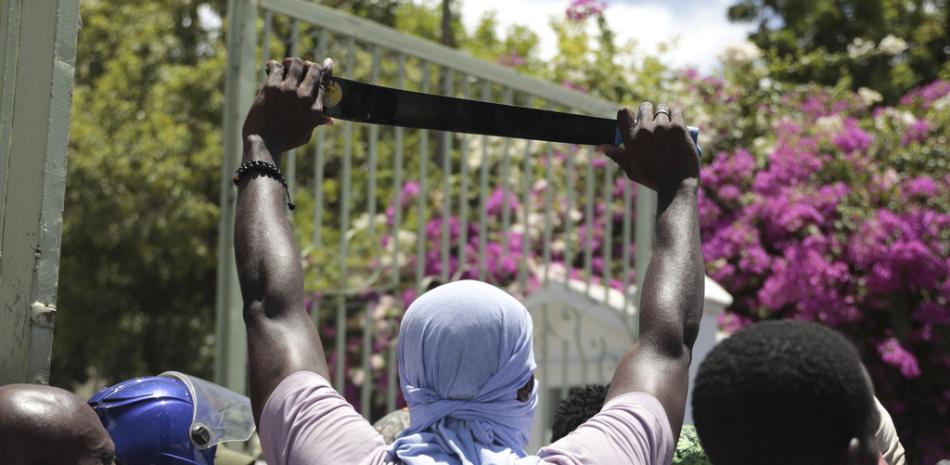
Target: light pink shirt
(306, 422)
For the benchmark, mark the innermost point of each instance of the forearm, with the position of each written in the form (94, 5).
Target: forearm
(281, 337)
(672, 299)
(267, 259)
(659, 153)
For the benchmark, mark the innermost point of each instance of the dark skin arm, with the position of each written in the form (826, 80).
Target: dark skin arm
(659, 154)
(280, 335)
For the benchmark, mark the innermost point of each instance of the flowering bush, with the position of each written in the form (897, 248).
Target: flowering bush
(810, 220)
(839, 214)
(816, 204)
(579, 10)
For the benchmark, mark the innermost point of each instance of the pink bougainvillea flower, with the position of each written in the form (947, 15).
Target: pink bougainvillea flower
(580, 10)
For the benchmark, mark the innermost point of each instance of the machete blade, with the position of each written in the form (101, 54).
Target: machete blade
(368, 103)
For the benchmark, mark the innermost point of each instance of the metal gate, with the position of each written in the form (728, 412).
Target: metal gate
(384, 212)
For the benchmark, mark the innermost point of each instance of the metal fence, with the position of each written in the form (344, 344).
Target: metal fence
(385, 212)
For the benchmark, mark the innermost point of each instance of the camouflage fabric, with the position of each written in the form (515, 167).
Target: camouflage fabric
(688, 451)
(392, 424)
(225, 456)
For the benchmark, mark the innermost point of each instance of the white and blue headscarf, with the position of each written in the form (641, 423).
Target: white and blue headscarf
(465, 349)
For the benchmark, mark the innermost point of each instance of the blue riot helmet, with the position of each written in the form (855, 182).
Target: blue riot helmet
(171, 419)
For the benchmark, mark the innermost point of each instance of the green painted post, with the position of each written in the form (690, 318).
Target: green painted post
(240, 85)
(37, 62)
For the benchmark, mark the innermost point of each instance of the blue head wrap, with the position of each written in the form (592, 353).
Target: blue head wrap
(465, 350)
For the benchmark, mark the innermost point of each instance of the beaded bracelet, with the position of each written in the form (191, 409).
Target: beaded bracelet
(266, 169)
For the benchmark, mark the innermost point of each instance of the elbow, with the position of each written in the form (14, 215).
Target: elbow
(669, 343)
(691, 328)
(691, 323)
(253, 311)
(673, 336)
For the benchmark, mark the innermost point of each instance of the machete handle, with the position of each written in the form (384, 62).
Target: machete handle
(693, 134)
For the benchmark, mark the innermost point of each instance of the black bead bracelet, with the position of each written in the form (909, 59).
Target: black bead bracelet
(265, 169)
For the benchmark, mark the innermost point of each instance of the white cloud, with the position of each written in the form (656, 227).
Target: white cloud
(701, 26)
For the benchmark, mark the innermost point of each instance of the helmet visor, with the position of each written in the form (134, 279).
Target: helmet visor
(220, 415)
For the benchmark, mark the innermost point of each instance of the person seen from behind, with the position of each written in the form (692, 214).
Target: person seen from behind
(465, 356)
(790, 393)
(44, 425)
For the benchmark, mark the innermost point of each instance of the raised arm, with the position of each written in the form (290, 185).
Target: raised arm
(280, 335)
(659, 154)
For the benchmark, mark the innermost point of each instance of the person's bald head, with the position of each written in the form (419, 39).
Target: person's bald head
(42, 425)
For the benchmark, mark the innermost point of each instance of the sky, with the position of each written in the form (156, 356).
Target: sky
(701, 25)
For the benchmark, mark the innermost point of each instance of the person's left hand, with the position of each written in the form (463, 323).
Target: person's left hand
(289, 105)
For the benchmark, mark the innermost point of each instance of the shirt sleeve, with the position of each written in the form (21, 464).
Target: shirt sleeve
(306, 422)
(631, 429)
(886, 436)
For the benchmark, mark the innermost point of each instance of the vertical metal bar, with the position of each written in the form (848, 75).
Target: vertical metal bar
(9, 53)
(339, 383)
(366, 390)
(646, 200)
(549, 206)
(608, 255)
(421, 200)
(446, 146)
(505, 174)
(373, 156)
(397, 178)
(546, 372)
(565, 355)
(239, 85)
(34, 124)
(568, 221)
(589, 223)
(391, 379)
(291, 166)
(482, 196)
(627, 216)
(463, 183)
(265, 37)
(526, 212)
(319, 154)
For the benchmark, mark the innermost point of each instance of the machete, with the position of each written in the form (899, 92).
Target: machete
(367, 103)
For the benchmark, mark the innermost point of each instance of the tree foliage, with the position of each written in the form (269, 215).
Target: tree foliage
(138, 263)
(887, 45)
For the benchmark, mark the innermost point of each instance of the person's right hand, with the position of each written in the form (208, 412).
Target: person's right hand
(657, 149)
(289, 105)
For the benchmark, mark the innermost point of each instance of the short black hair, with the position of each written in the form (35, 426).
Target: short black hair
(780, 393)
(579, 405)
